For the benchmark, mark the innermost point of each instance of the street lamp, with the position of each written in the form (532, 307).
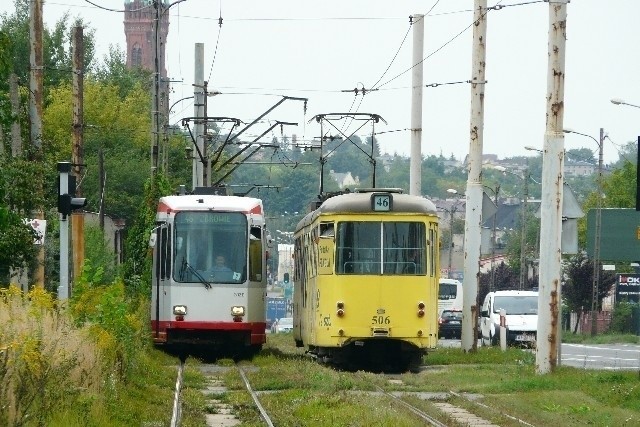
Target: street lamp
(452, 210)
(523, 226)
(596, 244)
(619, 101)
(496, 192)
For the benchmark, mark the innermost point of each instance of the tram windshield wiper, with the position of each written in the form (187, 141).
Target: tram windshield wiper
(187, 267)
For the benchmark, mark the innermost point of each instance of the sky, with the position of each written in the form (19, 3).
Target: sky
(266, 49)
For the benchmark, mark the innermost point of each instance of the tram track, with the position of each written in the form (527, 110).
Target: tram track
(414, 409)
(441, 410)
(254, 396)
(218, 417)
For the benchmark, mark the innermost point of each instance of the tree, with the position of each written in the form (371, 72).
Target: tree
(57, 49)
(581, 155)
(16, 238)
(577, 288)
(505, 278)
(116, 125)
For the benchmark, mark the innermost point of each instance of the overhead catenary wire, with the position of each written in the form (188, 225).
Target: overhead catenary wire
(497, 6)
(215, 51)
(402, 43)
(118, 10)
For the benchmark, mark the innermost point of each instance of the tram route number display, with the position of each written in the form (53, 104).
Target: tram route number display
(381, 202)
(209, 218)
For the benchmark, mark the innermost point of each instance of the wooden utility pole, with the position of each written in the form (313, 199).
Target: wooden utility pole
(77, 154)
(102, 177)
(16, 137)
(35, 111)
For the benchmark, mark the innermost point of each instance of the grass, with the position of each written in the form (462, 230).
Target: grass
(56, 371)
(307, 393)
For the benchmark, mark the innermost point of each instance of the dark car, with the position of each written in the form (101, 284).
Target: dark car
(450, 324)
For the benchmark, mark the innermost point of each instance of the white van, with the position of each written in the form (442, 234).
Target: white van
(521, 309)
(449, 295)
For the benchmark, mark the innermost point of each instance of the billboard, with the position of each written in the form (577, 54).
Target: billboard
(619, 234)
(628, 288)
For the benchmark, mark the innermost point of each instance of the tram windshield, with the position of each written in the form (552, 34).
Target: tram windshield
(210, 247)
(366, 247)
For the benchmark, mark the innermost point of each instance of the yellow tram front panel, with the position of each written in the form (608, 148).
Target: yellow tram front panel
(373, 307)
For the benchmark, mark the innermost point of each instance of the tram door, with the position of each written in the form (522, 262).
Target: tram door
(161, 271)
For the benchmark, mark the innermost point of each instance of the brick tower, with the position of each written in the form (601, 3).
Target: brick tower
(139, 31)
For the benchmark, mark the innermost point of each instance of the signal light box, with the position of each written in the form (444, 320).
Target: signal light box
(619, 234)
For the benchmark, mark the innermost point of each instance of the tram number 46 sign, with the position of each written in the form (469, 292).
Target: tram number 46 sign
(381, 202)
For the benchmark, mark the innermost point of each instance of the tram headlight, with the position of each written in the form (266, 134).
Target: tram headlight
(237, 311)
(180, 310)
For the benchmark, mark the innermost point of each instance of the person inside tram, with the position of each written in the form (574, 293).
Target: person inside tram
(220, 264)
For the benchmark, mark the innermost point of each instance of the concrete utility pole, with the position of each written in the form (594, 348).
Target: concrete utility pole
(35, 108)
(474, 194)
(415, 167)
(596, 244)
(523, 230)
(549, 301)
(63, 288)
(77, 154)
(492, 283)
(198, 112)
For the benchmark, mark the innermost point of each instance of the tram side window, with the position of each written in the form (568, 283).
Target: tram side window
(255, 254)
(404, 248)
(358, 248)
(165, 252)
(433, 237)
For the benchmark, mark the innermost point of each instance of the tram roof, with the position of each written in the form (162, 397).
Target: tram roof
(203, 202)
(360, 202)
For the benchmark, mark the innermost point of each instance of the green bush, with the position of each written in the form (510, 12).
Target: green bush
(623, 320)
(116, 328)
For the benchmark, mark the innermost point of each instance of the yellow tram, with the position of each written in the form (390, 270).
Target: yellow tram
(366, 280)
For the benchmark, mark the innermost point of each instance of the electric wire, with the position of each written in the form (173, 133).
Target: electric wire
(497, 6)
(620, 147)
(215, 51)
(117, 10)
(438, 49)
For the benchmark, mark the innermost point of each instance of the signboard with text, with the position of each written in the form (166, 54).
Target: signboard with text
(628, 288)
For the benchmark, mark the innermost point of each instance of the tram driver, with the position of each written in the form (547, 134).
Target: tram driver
(219, 271)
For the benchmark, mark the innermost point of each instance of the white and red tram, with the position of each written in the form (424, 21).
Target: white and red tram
(194, 300)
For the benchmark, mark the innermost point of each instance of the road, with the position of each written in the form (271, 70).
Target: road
(602, 356)
(590, 356)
